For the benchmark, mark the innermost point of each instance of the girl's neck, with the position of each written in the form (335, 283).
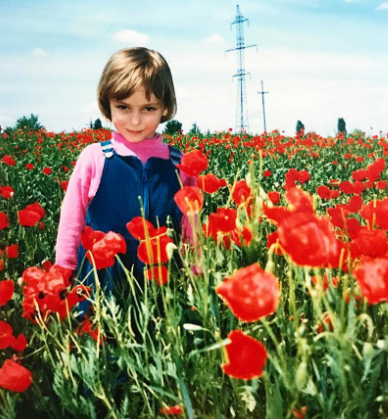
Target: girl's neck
(156, 140)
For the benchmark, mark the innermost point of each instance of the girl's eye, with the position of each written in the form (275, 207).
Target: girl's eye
(149, 108)
(122, 107)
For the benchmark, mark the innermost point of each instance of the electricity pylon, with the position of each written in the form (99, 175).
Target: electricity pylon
(242, 123)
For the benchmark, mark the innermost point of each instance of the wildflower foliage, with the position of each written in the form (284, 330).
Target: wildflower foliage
(276, 307)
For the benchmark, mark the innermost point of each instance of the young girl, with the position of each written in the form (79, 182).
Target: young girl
(113, 180)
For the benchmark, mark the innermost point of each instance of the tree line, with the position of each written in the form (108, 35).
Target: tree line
(32, 123)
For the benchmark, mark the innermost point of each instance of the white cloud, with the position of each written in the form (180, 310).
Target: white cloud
(215, 39)
(39, 52)
(182, 93)
(5, 121)
(224, 15)
(91, 108)
(129, 36)
(383, 6)
(315, 87)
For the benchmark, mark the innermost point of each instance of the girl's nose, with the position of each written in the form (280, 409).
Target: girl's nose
(135, 118)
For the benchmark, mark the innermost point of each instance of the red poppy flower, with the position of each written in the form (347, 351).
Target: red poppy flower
(46, 289)
(47, 265)
(153, 241)
(241, 193)
(90, 236)
(15, 377)
(355, 203)
(335, 194)
(7, 192)
(324, 192)
(64, 302)
(7, 288)
(12, 251)
(368, 211)
(250, 293)
(372, 277)
(274, 197)
(241, 237)
(374, 170)
(31, 215)
(223, 221)
(3, 220)
(47, 171)
(29, 166)
(309, 240)
(299, 200)
(154, 250)
(267, 173)
(275, 214)
(360, 174)
(104, 247)
(338, 215)
(210, 183)
(64, 185)
(189, 199)
(303, 176)
(272, 239)
(326, 320)
(8, 160)
(299, 413)
(246, 356)
(52, 282)
(382, 184)
(371, 243)
(346, 187)
(87, 327)
(193, 163)
(376, 211)
(382, 214)
(158, 273)
(20, 343)
(291, 177)
(6, 335)
(353, 228)
(141, 229)
(171, 410)
(359, 187)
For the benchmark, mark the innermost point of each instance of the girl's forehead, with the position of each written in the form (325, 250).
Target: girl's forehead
(139, 95)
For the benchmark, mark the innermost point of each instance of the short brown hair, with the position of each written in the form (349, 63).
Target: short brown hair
(130, 68)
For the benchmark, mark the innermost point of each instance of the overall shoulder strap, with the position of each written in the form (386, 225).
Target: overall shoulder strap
(175, 155)
(107, 148)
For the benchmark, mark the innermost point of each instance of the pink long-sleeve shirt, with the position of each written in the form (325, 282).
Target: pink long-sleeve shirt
(84, 183)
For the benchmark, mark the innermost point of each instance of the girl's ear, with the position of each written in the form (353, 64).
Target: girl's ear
(165, 112)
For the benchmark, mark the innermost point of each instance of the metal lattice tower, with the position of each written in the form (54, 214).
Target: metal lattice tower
(262, 93)
(242, 123)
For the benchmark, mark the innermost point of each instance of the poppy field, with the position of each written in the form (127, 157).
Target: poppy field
(276, 307)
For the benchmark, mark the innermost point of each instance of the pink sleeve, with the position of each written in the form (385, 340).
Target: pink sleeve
(82, 187)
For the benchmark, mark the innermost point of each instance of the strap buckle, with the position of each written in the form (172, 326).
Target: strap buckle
(107, 149)
(175, 155)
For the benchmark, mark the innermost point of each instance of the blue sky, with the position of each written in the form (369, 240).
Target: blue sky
(319, 59)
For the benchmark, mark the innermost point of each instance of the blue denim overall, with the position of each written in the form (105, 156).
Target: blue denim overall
(126, 185)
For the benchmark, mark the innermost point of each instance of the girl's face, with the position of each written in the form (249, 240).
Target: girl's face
(136, 117)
